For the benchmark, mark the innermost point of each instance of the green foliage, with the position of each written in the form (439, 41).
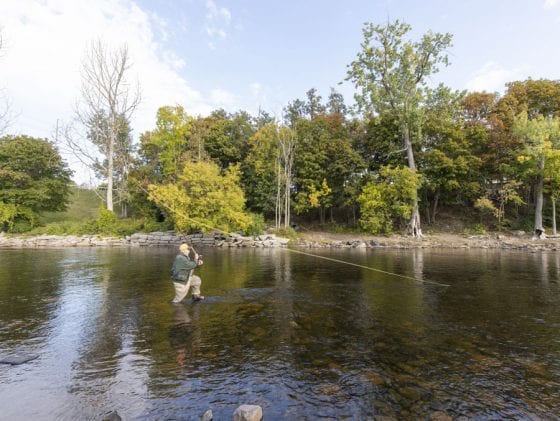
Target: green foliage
(258, 170)
(119, 228)
(485, 206)
(226, 137)
(477, 229)
(16, 219)
(8, 214)
(32, 174)
(203, 199)
(375, 211)
(287, 232)
(106, 220)
(256, 225)
(33, 179)
(391, 197)
(390, 71)
(165, 147)
(496, 206)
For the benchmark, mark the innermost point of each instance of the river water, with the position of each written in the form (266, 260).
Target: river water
(303, 337)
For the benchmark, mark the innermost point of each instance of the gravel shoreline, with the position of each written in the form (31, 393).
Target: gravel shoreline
(512, 241)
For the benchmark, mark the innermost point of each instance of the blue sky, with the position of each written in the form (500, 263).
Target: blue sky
(246, 54)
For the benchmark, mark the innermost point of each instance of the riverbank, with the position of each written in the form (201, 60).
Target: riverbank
(517, 240)
(311, 239)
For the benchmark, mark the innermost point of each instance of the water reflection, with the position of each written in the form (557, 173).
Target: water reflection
(304, 338)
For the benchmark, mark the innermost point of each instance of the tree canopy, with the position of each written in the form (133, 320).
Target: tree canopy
(33, 179)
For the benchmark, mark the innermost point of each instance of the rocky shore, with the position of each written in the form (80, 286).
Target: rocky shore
(511, 241)
(517, 240)
(152, 239)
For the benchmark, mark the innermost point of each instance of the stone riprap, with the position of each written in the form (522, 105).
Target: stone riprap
(152, 239)
(512, 241)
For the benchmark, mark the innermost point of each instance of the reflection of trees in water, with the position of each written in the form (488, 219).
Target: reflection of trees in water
(114, 361)
(30, 287)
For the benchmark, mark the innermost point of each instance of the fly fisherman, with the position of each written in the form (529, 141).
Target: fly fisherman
(181, 272)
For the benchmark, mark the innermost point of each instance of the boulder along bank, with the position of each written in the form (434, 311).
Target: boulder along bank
(514, 241)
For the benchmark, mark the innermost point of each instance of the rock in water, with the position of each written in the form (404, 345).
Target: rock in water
(18, 359)
(248, 413)
(111, 416)
(207, 416)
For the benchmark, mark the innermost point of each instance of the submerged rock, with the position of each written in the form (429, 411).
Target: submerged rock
(248, 413)
(17, 359)
(207, 416)
(440, 416)
(111, 416)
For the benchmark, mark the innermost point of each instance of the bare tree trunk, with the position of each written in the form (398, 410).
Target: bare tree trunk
(414, 223)
(110, 155)
(285, 159)
(278, 205)
(107, 100)
(553, 215)
(539, 230)
(436, 202)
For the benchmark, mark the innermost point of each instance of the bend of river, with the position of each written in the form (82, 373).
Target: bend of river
(304, 338)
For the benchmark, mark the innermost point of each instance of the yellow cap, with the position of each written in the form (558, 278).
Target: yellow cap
(183, 248)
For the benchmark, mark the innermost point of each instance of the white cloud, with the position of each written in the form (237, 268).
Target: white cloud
(492, 77)
(218, 20)
(222, 97)
(44, 44)
(550, 4)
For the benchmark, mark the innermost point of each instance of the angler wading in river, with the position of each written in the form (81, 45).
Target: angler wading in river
(182, 274)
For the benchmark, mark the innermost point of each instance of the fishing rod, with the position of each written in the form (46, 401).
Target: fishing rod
(291, 250)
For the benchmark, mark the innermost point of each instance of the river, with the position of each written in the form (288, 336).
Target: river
(303, 337)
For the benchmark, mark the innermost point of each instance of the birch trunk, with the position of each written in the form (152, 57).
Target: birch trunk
(414, 223)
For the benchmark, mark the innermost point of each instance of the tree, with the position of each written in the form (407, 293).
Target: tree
(538, 134)
(286, 138)
(294, 111)
(258, 170)
(203, 199)
(450, 166)
(99, 131)
(388, 198)
(335, 103)
(508, 192)
(167, 147)
(310, 167)
(552, 179)
(106, 92)
(33, 179)
(390, 73)
(226, 136)
(313, 107)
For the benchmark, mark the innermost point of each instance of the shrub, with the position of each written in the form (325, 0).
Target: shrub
(256, 226)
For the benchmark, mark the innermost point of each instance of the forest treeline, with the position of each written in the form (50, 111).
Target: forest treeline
(393, 161)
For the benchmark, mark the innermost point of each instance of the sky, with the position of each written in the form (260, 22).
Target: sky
(250, 54)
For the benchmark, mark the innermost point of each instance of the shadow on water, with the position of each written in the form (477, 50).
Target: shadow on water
(302, 337)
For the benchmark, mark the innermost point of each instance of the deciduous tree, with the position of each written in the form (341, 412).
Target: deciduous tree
(33, 179)
(539, 134)
(203, 199)
(105, 91)
(390, 73)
